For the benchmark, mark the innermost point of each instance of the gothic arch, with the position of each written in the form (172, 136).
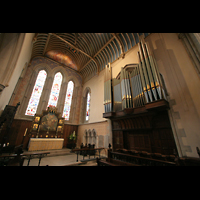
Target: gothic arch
(89, 137)
(61, 70)
(42, 66)
(85, 136)
(87, 89)
(83, 105)
(74, 80)
(94, 137)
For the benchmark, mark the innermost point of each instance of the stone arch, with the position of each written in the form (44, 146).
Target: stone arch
(83, 105)
(89, 137)
(42, 66)
(85, 92)
(74, 80)
(61, 70)
(85, 137)
(94, 137)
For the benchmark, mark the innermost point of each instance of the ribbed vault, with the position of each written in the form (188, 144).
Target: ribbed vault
(89, 52)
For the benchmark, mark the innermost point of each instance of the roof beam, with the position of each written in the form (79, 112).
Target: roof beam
(75, 48)
(46, 44)
(120, 44)
(109, 41)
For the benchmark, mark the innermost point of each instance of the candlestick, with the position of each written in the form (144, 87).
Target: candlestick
(25, 131)
(74, 134)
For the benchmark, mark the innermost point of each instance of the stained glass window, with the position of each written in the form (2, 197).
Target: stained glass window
(55, 90)
(68, 100)
(36, 93)
(88, 106)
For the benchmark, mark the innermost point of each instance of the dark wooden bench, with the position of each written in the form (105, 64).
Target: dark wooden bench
(104, 163)
(138, 160)
(151, 159)
(157, 156)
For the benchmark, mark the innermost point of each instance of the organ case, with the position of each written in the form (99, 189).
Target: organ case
(134, 101)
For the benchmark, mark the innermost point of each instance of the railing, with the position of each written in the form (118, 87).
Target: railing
(15, 159)
(35, 155)
(87, 151)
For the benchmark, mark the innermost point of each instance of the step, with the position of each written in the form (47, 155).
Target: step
(56, 152)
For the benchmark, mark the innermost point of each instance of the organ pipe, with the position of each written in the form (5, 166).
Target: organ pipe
(107, 89)
(135, 86)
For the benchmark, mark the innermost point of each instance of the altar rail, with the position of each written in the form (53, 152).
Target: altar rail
(18, 159)
(87, 151)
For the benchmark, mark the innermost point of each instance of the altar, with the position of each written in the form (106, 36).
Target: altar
(36, 144)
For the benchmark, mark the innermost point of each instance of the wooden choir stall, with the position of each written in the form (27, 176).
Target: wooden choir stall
(46, 132)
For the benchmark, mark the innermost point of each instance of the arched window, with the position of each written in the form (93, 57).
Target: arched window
(68, 100)
(36, 93)
(88, 107)
(55, 90)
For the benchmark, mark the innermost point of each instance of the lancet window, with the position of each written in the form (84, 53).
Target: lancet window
(55, 90)
(36, 93)
(68, 100)
(88, 107)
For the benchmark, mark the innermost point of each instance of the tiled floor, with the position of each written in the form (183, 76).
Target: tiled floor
(60, 160)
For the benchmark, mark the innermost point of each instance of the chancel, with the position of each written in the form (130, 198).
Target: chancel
(131, 97)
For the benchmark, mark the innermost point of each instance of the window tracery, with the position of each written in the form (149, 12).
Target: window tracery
(55, 90)
(36, 93)
(68, 100)
(88, 107)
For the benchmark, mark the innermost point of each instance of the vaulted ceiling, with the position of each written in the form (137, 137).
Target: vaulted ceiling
(87, 53)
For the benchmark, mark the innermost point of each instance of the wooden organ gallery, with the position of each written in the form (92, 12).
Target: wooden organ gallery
(135, 101)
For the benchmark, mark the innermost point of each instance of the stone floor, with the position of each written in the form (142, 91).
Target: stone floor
(60, 158)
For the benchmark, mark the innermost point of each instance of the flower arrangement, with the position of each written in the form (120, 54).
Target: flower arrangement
(72, 136)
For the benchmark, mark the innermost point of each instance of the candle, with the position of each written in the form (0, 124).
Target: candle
(25, 131)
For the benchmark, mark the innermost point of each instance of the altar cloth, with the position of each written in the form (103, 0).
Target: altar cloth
(36, 144)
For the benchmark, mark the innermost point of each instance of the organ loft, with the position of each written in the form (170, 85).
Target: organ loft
(112, 98)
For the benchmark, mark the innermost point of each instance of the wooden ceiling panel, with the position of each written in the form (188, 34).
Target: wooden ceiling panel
(90, 51)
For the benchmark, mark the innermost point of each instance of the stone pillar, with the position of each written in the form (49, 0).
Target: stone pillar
(191, 50)
(61, 99)
(45, 95)
(10, 47)
(22, 109)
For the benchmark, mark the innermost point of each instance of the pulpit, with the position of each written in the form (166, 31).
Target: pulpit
(46, 131)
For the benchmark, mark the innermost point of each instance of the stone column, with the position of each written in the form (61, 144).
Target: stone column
(61, 99)
(191, 50)
(45, 95)
(22, 109)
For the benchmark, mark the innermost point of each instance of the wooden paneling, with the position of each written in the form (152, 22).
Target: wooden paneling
(68, 129)
(18, 129)
(117, 139)
(150, 131)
